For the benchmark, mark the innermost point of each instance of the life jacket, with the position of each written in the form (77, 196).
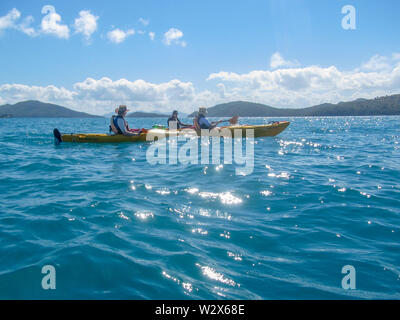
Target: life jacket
(196, 123)
(176, 125)
(114, 125)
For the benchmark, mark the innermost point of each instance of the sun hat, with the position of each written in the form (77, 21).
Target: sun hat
(203, 110)
(121, 109)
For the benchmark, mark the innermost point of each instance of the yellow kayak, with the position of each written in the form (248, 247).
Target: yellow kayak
(267, 130)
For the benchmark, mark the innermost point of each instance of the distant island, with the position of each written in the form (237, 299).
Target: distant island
(388, 105)
(37, 109)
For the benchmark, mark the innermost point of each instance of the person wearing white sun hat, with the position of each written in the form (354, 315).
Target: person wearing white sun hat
(201, 121)
(118, 123)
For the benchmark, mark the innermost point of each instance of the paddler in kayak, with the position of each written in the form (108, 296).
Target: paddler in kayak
(175, 123)
(119, 125)
(201, 122)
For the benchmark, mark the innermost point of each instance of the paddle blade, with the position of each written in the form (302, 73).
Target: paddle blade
(57, 136)
(234, 120)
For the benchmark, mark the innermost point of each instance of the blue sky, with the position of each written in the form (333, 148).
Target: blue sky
(217, 51)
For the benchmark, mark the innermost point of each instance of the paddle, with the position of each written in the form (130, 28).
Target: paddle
(233, 120)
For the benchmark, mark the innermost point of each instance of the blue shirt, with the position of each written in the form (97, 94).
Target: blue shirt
(203, 123)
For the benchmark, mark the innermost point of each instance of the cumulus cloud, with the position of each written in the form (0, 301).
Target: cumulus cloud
(174, 36)
(138, 91)
(277, 61)
(19, 92)
(285, 87)
(86, 24)
(381, 63)
(306, 86)
(26, 28)
(10, 21)
(118, 35)
(51, 23)
(100, 96)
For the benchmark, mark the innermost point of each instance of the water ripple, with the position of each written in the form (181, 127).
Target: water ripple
(323, 194)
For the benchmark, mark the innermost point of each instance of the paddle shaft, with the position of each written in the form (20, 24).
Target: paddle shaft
(232, 120)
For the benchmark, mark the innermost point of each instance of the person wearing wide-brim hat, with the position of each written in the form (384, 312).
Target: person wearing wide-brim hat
(118, 123)
(202, 121)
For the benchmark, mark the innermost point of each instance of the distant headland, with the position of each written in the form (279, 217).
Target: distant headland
(37, 109)
(387, 105)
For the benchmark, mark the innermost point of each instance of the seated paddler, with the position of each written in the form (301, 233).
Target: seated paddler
(119, 125)
(175, 123)
(201, 122)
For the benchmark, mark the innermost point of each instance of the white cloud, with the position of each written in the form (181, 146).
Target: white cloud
(306, 86)
(293, 87)
(51, 23)
(19, 92)
(9, 21)
(26, 28)
(174, 36)
(377, 63)
(102, 95)
(138, 91)
(144, 22)
(86, 24)
(118, 35)
(381, 63)
(278, 61)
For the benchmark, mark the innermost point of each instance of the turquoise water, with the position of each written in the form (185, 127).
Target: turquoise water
(325, 193)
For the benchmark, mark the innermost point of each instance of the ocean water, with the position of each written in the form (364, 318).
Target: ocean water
(324, 194)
